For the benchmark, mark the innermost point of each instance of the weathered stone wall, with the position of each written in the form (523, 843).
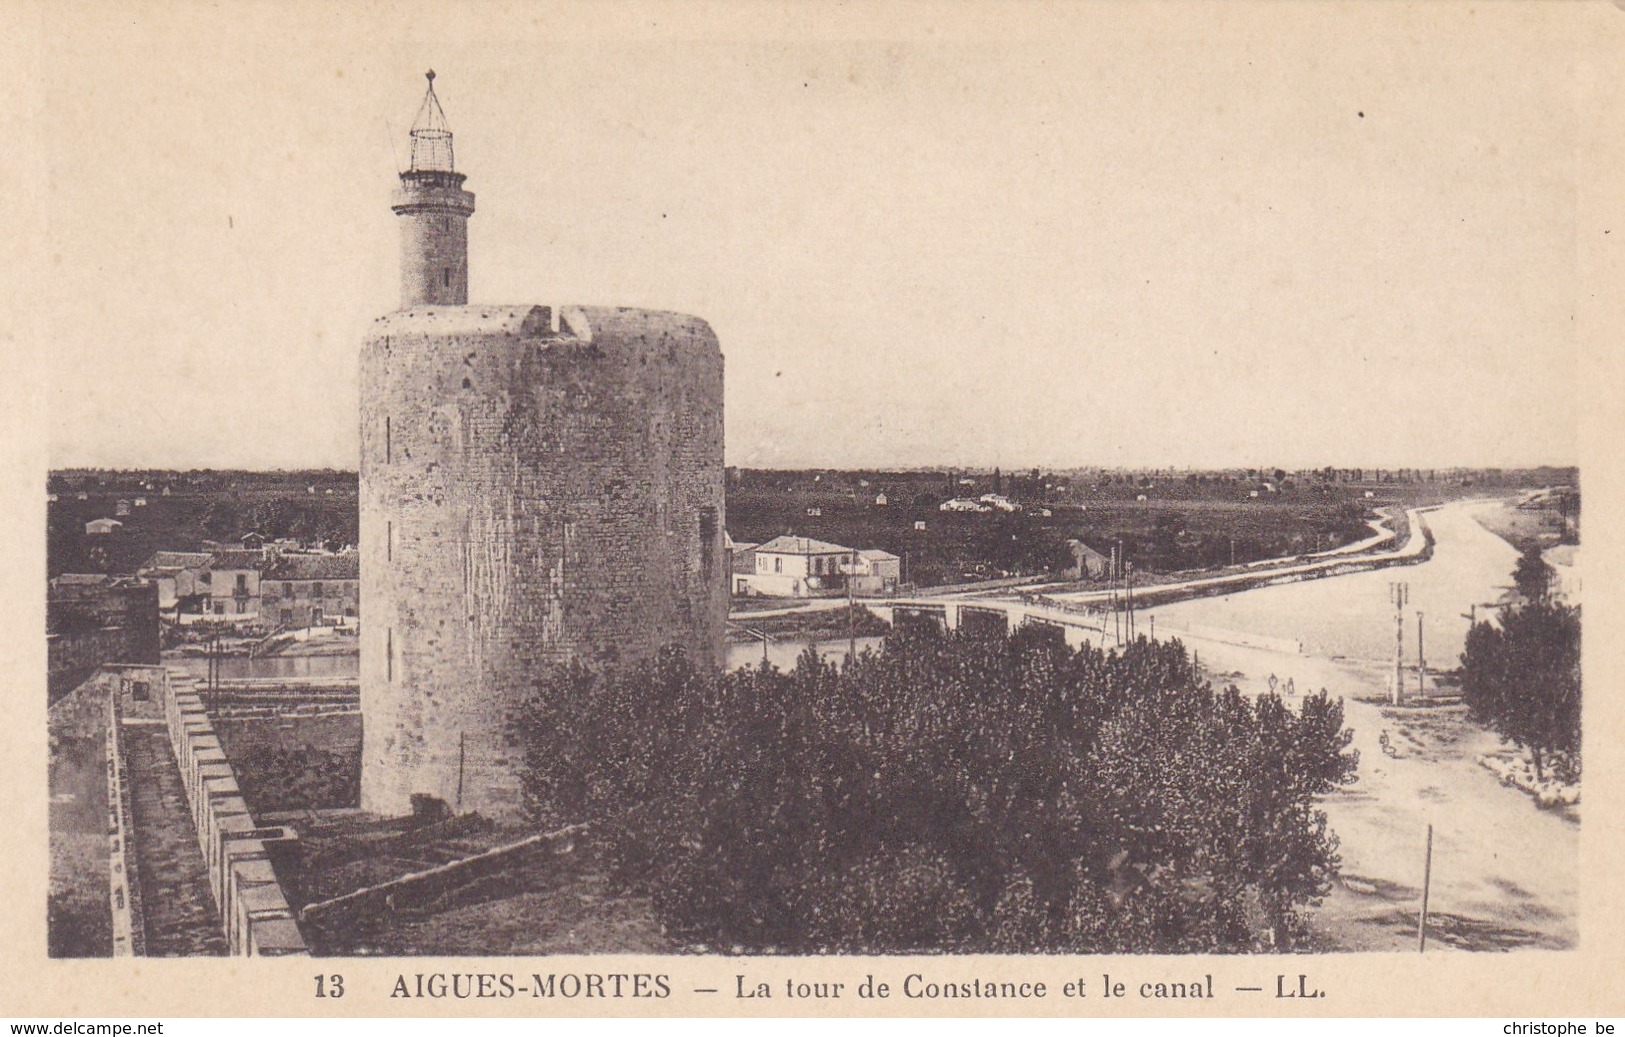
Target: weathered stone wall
(529, 496)
(99, 626)
(434, 211)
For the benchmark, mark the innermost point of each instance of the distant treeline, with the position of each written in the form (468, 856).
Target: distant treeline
(211, 478)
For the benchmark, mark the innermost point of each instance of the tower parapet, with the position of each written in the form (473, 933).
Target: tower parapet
(434, 211)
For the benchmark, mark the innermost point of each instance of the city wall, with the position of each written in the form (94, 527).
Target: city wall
(254, 911)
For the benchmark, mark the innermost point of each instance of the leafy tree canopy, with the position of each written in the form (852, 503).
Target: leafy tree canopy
(950, 793)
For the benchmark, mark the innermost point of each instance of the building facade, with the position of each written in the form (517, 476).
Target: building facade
(233, 582)
(876, 572)
(178, 575)
(798, 567)
(308, 590)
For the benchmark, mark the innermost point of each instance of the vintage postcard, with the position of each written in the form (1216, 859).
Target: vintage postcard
(914, 509)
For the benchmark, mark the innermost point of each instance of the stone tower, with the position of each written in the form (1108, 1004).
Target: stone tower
(539, 484)
(434, 211)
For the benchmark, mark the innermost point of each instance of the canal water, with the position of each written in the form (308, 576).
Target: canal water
(1352, 616)
(1504, 873)
(783, 654)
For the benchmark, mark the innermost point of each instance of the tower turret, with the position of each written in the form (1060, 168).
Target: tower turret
(434, 211)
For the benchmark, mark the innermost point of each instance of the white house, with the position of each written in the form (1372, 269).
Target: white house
(963, 504)
(797, 567)
(102, 526)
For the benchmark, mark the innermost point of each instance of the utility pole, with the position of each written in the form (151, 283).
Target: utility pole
(461, 752)
(851, 611)
(216, 664)
(1399, 593)
(1421, 659)
(1117, 620)
(1128, 586)
(1427, 882)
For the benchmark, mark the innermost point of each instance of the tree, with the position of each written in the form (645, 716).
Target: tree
(1532, 577)
(949, 792)
(1521, 678)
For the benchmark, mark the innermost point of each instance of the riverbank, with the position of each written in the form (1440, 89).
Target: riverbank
(1505, 872)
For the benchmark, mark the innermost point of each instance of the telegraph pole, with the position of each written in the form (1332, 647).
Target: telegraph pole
(1427, 883)
(1399, 593)
(851, 612)
(461, 753)
(1421, 659)
(1128, 588)
(1117, 619)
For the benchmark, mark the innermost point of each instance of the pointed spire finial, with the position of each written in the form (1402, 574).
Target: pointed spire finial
(431, 136)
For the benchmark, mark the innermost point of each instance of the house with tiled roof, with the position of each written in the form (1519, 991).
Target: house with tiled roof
(300, 590)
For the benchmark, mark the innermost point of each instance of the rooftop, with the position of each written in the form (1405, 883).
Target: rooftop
(237, 560)
(177, 560)
(345, 566)
(792, 545)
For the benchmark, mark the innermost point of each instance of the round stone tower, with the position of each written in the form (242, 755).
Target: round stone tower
(538, 485)
(434, 211)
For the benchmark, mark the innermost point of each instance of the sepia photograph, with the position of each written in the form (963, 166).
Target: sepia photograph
(927, 481)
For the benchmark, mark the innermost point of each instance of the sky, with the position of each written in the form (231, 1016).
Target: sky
(1132, 234)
